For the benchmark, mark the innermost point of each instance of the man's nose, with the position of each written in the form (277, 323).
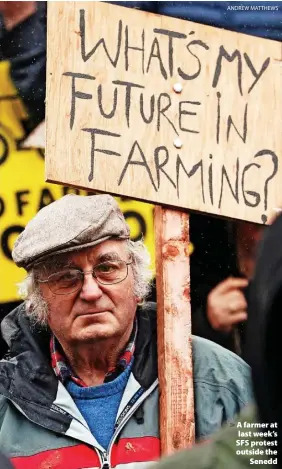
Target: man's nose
(90, 289)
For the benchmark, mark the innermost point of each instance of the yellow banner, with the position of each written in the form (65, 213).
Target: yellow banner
(23, 190)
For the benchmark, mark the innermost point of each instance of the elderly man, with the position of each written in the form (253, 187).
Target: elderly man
(79, 385)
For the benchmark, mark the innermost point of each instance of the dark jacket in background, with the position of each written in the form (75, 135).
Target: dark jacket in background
(263, 345)
(263, 352)
(25, 48)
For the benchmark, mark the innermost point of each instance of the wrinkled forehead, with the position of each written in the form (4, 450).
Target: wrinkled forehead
(105, 251)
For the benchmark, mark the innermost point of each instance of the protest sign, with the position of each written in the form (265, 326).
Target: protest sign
(163, 110)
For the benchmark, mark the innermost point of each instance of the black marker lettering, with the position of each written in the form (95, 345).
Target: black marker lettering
(171, 35)
(256, 195)
(128, 86)
(160, 166)
(224, 54)
(253, 70)
(230, 122)
(161, 110)
(235, 191)
(77, 94)
(137, 163)
(140, 49)
(157, 55)
(184, 75)
(147, 120)
(211, 180)
(86, 56)
(274, 158)
(93, 133)
(100, 99)
(179, 164)
(218, 117)
(184, 112)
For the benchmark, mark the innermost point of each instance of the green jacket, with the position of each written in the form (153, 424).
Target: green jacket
(226, 449)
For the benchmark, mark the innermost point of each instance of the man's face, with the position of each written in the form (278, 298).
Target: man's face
(95, 312)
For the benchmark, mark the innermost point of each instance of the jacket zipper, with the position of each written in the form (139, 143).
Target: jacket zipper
(107, 454)
(105, 461)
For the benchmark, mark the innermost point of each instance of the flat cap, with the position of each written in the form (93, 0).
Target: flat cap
(71, 223)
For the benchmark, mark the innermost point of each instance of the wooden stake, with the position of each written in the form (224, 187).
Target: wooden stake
(177, 428)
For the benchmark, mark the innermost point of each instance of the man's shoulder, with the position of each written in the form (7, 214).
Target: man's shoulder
(215, 369)
(214, 365)
(204, 349)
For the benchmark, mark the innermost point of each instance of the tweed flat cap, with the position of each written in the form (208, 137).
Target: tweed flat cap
(69, 224)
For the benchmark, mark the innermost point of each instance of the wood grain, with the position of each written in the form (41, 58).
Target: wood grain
(177, 428)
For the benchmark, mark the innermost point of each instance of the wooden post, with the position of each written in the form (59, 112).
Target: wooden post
(177, 428)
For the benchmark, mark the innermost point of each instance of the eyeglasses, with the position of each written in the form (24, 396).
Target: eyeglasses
(68, 281)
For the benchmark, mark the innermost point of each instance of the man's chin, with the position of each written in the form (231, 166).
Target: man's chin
(94, 332)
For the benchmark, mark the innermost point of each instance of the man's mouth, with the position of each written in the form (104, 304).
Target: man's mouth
(92, 312)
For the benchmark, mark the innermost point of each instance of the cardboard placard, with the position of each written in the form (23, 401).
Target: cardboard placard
(163, 110)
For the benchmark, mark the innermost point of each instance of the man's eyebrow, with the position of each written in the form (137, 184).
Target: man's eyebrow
(69, 264)
(108, 256)
(59, 265)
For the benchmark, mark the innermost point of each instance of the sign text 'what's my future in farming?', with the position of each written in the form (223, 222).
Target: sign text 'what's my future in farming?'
(163, 110)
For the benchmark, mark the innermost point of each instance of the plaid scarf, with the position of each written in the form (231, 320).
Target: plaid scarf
(63, 371)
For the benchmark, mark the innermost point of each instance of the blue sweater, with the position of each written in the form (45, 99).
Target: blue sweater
(99, 405)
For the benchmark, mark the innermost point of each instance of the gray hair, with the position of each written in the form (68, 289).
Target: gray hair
(37, 307)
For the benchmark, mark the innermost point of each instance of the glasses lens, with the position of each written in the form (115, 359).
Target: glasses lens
(65, 281)
(111, 272)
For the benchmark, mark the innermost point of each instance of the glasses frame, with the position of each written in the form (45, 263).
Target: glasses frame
(83, 275)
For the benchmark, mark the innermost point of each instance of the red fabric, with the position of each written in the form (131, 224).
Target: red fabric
(128, 450)
(146, 448)
(72, 457)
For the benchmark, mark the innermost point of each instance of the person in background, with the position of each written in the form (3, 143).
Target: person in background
(223, 316)
(23, 45)
(80, 378)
